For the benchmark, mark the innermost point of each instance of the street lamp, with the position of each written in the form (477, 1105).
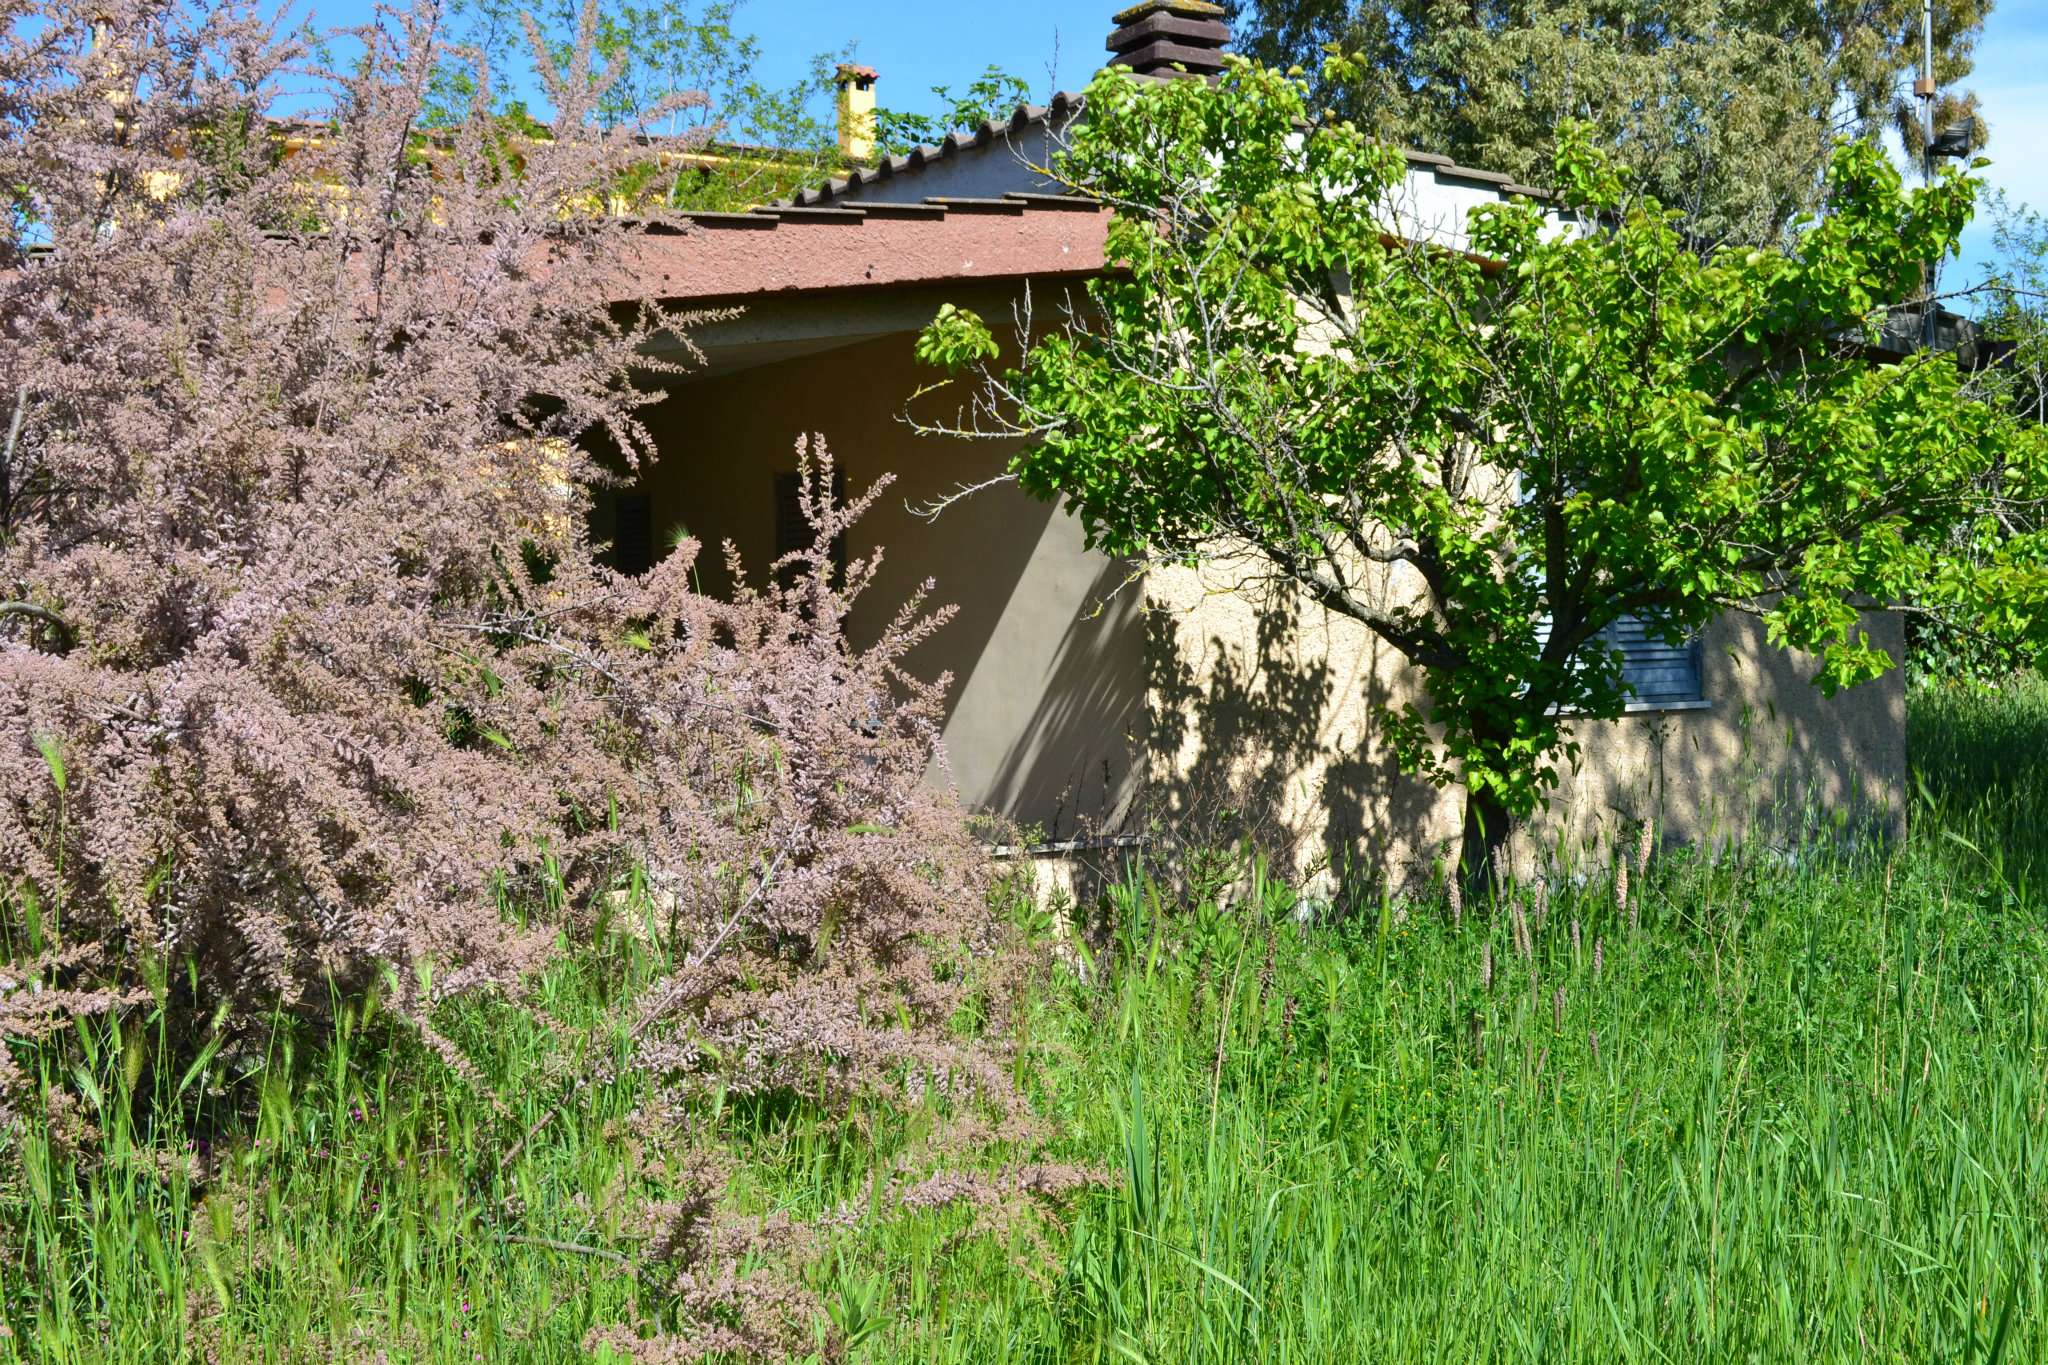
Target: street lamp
(1953, 142)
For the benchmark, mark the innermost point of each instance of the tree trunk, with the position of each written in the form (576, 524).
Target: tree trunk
(1487, 826)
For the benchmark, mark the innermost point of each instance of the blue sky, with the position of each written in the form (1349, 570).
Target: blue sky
(917, 44)
(2011, 80)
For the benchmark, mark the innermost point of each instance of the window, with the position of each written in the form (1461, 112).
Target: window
(1659, 676)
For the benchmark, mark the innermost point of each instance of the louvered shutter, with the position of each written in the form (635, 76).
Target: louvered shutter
(1657, 674)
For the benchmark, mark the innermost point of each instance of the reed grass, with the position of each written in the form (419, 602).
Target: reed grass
(1795, 1113)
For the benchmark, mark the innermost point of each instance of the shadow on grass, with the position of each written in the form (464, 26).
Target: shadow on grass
(1980, 771)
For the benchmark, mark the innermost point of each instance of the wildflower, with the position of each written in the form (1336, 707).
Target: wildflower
(1644, 840)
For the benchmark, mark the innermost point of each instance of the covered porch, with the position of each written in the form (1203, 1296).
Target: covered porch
(1047, 650)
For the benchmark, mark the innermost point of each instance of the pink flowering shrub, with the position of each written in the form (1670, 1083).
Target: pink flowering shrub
(308, 666)
(314, 685)
(278, 426)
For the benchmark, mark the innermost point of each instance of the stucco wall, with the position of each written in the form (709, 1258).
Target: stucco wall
(1082, 705)
(1771, 759)
(1263, 727)
(1046, 657)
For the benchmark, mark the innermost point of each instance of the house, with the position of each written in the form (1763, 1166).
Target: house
(1089, 703)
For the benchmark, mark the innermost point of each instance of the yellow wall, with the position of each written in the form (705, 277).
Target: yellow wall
(1046, 654)
(1083, 705)
(1263, 724)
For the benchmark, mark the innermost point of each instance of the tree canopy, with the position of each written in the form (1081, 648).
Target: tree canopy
(1724, 108)
(1489, 451)
(993, 95)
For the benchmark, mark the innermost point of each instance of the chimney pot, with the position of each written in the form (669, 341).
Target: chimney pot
(1155, 37)
(857, 111)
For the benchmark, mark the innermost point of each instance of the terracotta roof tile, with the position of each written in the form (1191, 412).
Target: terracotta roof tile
(881, 209)
(967, 204)
(707, 256)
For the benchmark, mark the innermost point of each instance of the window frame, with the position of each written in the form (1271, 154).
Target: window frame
(1695, 656)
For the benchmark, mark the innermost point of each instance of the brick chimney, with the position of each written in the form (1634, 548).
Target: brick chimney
(1154, 36)
(857, 111)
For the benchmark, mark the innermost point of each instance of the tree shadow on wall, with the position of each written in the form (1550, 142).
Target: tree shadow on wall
(1269, 749)
(1070, 769)
(1772, 764)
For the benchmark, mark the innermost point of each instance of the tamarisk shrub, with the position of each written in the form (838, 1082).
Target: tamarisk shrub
(307, 662)
(308, 666)
(822, 904)
(825, 910)
(283, 404)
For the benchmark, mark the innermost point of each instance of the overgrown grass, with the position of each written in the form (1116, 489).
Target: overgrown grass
(1795, 1114)
(1980, 760)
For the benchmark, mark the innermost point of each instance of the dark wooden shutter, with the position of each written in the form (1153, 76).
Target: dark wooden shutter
(632, 533)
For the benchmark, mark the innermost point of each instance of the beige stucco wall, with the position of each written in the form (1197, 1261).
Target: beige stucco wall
(1046, 656)
(1187, 704)
(1263, 727)
(1770, 759)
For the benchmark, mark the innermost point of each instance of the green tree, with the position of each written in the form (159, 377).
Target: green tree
(1726, 109)
(689, 75)
(2017, 310)
(2013, 333)
(1571, 422)
(992, 96)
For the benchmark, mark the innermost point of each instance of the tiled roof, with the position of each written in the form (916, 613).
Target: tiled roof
(1063, 106)
(786, 248)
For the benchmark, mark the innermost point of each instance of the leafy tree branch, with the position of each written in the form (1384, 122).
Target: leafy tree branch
(1488, 443)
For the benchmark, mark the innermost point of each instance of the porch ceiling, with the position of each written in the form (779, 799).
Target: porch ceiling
(785, 326)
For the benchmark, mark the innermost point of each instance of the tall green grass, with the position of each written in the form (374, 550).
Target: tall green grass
(1795, 1115)
(1980, 763)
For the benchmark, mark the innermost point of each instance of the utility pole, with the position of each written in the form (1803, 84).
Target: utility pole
(1923, 89)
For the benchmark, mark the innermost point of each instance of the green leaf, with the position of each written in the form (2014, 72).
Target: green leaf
(53, 758)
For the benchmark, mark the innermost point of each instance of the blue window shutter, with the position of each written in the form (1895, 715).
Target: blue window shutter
(1657, 674)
